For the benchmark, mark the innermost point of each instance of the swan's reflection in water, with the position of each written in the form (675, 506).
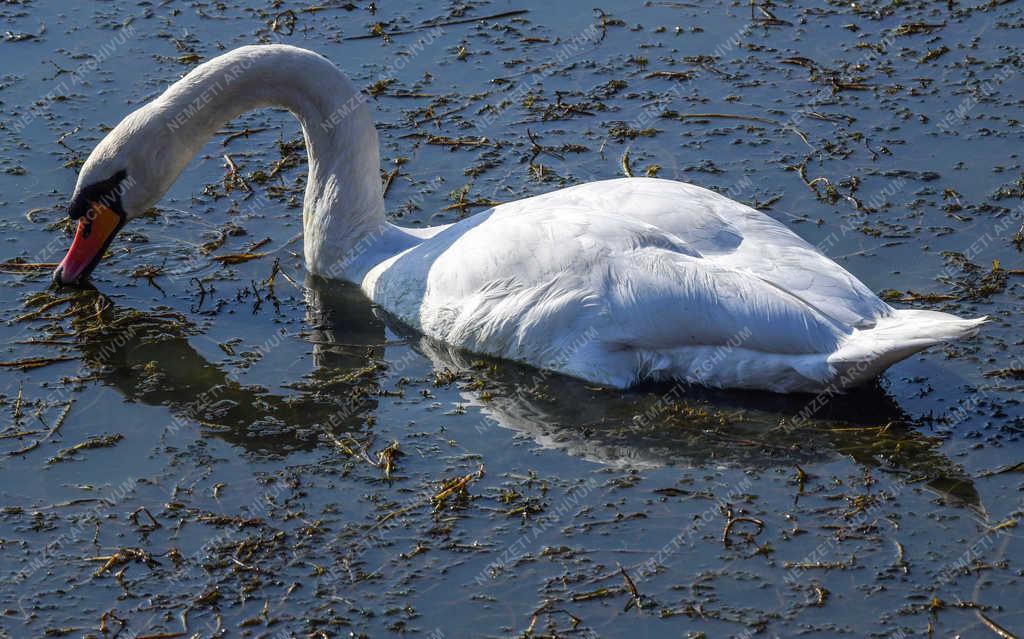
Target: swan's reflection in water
(352, 344)
(687, 426)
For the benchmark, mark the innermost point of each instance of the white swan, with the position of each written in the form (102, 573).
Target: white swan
(615, 282)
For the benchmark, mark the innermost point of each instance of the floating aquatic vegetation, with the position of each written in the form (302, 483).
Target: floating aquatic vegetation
(96, 441)
(339, 503)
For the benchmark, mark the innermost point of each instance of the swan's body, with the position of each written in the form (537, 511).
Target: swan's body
(615, 282)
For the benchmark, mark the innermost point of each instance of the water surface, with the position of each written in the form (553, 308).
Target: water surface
(231, 480)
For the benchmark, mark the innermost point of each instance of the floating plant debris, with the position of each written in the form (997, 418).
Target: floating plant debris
(212, 441)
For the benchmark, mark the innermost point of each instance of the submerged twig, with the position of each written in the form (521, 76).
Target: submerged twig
(994, 627)
(17, 266)
(733, 520)
(97, 441)
(50, 433)
(380, 33)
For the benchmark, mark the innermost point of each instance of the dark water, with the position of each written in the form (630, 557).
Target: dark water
(230, 483)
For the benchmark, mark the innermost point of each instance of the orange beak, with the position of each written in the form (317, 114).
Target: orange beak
(95, 231)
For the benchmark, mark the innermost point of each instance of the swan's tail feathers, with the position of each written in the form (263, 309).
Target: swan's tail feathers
(866, 353)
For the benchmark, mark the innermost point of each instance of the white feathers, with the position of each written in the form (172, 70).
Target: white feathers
(671, 281)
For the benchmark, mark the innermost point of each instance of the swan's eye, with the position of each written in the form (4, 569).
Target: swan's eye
(106, 193)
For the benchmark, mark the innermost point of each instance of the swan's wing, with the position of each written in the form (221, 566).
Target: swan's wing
(735, 235)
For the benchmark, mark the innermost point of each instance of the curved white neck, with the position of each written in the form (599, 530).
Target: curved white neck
(345, 232)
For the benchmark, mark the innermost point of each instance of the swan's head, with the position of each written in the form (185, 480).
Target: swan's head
(125, 175)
